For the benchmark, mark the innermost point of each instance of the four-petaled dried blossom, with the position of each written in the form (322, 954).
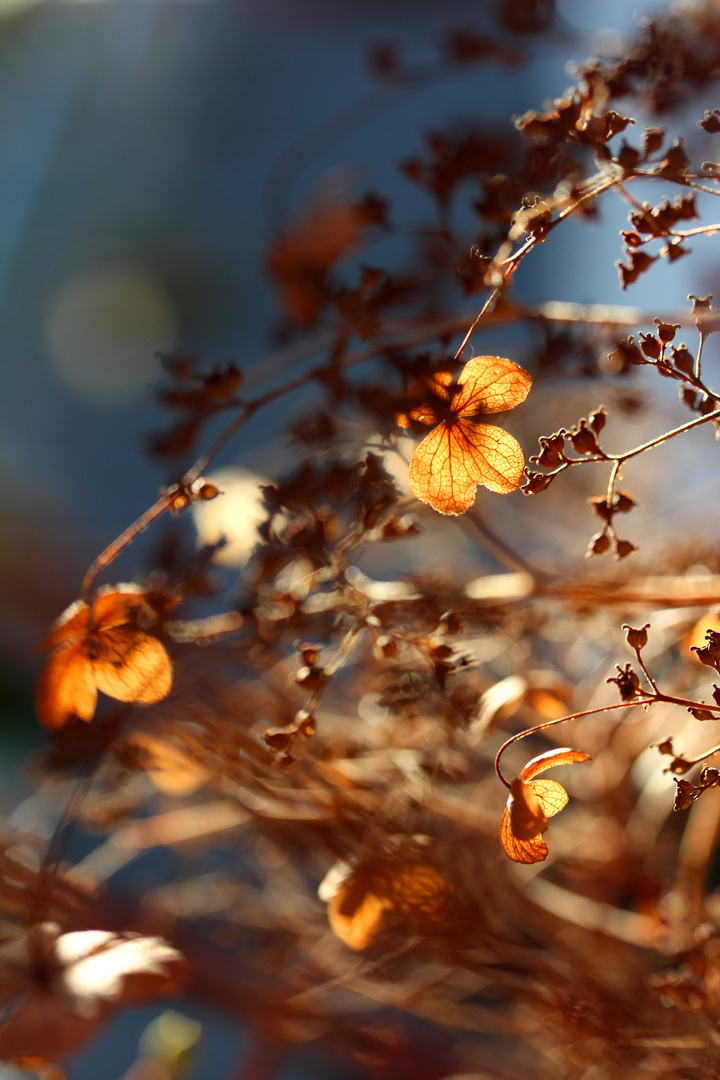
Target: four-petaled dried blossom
(627, 683)
(57, 990)
(460, 453)
(531, 803)
(363, 900)
(100, 646)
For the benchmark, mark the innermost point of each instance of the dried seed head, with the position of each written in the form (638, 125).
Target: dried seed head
(597, 419)
(599, 544)
(536, 482)
(666, 331)
(685, 794)
(601, 508)
(627, 682)
(636, 636)
(583, 439)
(623, 502)
(650, 346)
(623, 548)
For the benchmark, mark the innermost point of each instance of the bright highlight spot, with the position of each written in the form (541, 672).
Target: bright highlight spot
(234, 515)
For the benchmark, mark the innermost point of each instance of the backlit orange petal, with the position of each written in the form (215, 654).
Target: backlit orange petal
(527, 814)
(522, 851)
(418, 889)
(70, 626)
(355, 914)
(490, 455)
(454, 458)
(438, 474)
(132, 666)
(116, 606)
(66, 688)
(564, 755)
(490, 384)
(423, 391)
(552, 796)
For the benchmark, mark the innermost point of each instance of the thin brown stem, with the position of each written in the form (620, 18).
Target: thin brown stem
(645, 700)
(124, 540)
(698, 359)
(659, 439)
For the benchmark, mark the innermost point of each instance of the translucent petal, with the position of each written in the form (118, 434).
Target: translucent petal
(132, 666)
(66, 688)
(490, 384)
(356, 914)
(522, 851)
(564, 755)
(552, 796)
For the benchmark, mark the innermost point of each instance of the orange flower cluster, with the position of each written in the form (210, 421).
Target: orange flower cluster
(460, 453)
(100, 646)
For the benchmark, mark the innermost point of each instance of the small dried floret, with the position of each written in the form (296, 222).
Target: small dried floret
(599, 544)
(710, 121)
(709, 654)
(583, 439)
(701, 714)
(650, 346)
(552, 452)
(278, 738)
(639, 262)
(636, 636)
(626, 352)
(652, 140)
(451, 623)
(683, 359)
(685, 794)
(597, 419)
(311, 678)
(676, 162)
(679, 765)
(622, 548)
(666, 331)
(536, 482)
(601, 508)
(386, 647)
(627, 682)
(623, 502)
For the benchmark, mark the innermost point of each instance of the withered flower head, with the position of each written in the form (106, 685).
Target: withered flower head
(531, 802)
(365, 899)
(460, 453)
(65, 986)
(100, 646)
